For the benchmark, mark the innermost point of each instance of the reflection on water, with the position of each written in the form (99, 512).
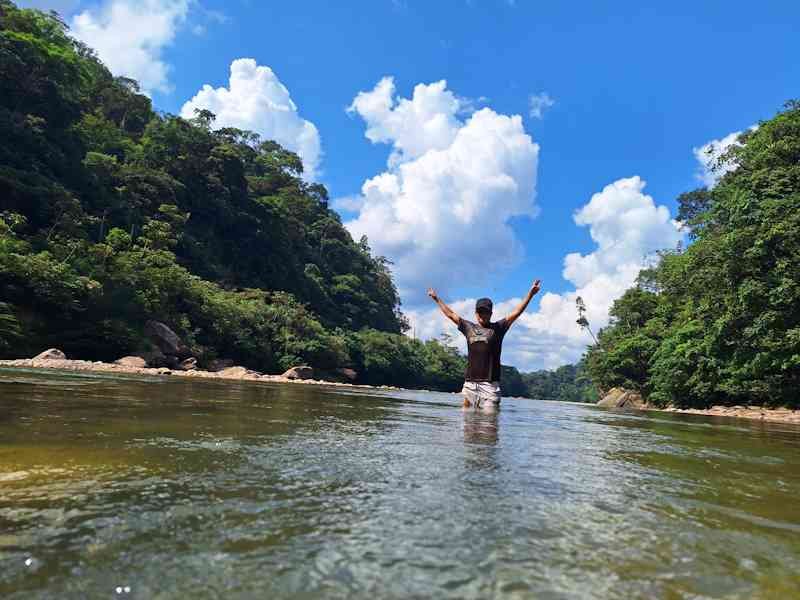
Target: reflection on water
(119, 487)
(481, 427)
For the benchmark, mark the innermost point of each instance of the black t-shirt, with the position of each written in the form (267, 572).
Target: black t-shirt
(483, 349)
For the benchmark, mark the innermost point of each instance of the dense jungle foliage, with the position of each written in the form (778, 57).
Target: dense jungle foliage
(719, 322)
(112, 214)
(570, 383)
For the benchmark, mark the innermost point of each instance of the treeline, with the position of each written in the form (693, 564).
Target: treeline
(569, 383)
(719, 322)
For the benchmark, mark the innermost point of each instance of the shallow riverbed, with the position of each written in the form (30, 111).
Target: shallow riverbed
(124, 487)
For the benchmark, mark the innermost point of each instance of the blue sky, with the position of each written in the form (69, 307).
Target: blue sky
(635, 88)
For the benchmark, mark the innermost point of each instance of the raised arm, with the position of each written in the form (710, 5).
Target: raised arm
(448, 312)
(514, 314)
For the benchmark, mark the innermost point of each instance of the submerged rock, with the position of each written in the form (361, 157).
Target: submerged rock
(300, 372)
(51, 354)
(136, 362)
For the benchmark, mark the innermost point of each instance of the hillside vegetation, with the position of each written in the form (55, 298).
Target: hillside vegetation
(719, 322)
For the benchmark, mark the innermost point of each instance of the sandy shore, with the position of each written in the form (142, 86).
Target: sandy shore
(231, 373)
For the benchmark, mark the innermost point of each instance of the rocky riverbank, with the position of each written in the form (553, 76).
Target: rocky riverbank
(775, 415)
(622, 398)
(52, 360)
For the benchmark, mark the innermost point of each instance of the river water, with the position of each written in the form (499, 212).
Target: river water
(115, 487)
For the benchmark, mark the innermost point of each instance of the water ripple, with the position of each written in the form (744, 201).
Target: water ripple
(236, 491)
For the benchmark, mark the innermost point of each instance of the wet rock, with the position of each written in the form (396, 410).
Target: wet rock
(219, 364)
(51, 354)
(190, 364)
(300, 372)
(136, 362)
(166, 340)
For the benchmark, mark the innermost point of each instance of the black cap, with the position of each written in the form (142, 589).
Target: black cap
(483, 303)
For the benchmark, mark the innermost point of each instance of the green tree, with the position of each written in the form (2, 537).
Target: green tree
(718, 322)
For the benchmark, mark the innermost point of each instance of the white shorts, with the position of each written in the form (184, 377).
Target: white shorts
(482, 393)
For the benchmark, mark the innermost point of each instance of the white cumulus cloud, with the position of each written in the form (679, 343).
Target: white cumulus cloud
(130, 35)
(255, 99)
(627, 227)
(426, 122)
(710, 170)
(440, 211)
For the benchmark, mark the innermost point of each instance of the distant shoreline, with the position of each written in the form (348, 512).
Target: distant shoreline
(772, 415)
(230, 374)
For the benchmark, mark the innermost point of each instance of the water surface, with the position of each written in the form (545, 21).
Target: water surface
(115, 487)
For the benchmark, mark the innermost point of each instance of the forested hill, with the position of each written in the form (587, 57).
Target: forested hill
(719, 323)
(113, 214)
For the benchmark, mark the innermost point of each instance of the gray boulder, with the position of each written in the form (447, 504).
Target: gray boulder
(219, 364)
(622, 398)
(154, 358)
(166, 340)
(51, 354)
(611, 398)
(136, 362)
(347, 374)
(300, 372)
(190, 364)
(340, 375)
(234, 372)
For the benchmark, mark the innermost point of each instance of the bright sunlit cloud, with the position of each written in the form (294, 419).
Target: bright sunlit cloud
(710, 170)
(129, 36)
(441, 209)
(255, 99)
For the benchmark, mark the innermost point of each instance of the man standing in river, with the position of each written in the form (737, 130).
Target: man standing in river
(484, 344)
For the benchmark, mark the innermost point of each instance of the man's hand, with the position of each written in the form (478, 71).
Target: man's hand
(446, 310)
(514, 315)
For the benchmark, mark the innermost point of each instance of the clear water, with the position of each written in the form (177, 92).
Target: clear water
(132, 488)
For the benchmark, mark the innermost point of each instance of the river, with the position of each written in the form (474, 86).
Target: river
(125, 487)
